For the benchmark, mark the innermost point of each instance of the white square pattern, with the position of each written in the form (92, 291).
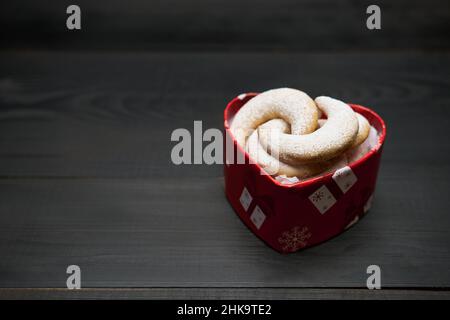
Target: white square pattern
(322, 199)
(283, 179)
(368, 204)
(242, 96)
(258, 217)
(344, 178)
(355, 220)
(245, 199)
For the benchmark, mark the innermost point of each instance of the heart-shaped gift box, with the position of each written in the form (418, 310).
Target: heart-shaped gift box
(290, 217)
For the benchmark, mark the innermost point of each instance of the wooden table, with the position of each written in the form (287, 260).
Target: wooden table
(86, 177)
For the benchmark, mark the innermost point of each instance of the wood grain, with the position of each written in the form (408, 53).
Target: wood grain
(222, 293)
(86, 176)
(104, 112)
(305, 25)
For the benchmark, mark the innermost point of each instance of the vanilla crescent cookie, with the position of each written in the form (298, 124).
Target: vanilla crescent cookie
(291, 105)
(275, 167)
(363, 130)
(336, 136)
(280, 130)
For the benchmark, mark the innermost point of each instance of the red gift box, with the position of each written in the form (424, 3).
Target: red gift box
(290, 217)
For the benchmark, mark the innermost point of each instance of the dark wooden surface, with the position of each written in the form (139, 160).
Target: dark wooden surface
(226, 25)
(224, 293)
(86, 176)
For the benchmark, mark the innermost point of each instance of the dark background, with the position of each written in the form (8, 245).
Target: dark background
(85, 124)
(306, 25)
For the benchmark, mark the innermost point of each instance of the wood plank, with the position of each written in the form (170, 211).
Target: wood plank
(227, 25)
(112, 115)
(170, 232)
(222, 293)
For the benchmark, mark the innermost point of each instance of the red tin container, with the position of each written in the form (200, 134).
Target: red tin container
(295, 216)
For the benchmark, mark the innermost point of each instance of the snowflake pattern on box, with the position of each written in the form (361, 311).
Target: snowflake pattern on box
(322, 199)
(294, 239)
(318, 196)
